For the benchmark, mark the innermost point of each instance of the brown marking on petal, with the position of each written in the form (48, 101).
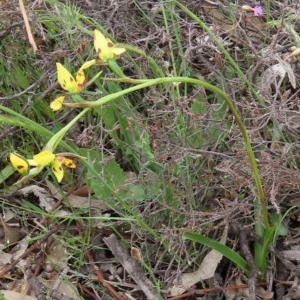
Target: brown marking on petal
(20, 167)
(59, 169)
(110, 44)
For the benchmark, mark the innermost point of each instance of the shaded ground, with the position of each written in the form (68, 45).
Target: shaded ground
(185, 169)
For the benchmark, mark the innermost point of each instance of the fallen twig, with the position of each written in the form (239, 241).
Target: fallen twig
(27, 26)
(132, 267)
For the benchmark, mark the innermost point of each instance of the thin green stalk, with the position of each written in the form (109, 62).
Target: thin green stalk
(268, 10)
(115, 68)
(147, 83)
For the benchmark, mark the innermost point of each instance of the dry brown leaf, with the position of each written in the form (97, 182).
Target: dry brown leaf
(220, 20)
(242, 293)
(75, 201)
(292, 254)
(264, 294)
(18, 251)
(12, 232)
(58, 259)
(206, 270)
(85, 202)
(274, 75)
(5, 258)
(64, 287)
(11, 295)
(46, 200)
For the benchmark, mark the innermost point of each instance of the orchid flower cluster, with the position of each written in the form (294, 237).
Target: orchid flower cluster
(106, 51)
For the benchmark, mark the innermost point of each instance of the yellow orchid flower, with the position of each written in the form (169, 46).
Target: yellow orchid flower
(105, 48)
(42, 159)
(69, 83)
(46, 157)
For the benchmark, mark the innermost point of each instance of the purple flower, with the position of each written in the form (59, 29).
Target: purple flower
(258, 11)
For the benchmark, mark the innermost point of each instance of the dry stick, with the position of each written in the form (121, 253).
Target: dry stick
(132, 267)
(27, 26)
(101, 278)
(86, 290)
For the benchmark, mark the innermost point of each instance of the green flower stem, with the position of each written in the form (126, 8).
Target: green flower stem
(57, 137)
(141, 84)
(115, 68)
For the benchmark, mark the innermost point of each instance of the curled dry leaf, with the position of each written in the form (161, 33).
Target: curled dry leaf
(274, 75)
(46, 200)
(237, 293)
(264, 294)
(205, 271)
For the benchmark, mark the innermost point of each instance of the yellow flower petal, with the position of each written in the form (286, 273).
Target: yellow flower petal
(65, 79)
(118, 51)
(99, 41)
(80, 76)
(19, 163)
(44, 158)
(88, 64)
(57, 103)
(58, 170)
(105, 48)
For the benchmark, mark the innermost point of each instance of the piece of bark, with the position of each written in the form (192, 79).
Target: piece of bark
(132, 267)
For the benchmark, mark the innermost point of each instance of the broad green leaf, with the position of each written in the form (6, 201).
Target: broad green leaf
(226, 251)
